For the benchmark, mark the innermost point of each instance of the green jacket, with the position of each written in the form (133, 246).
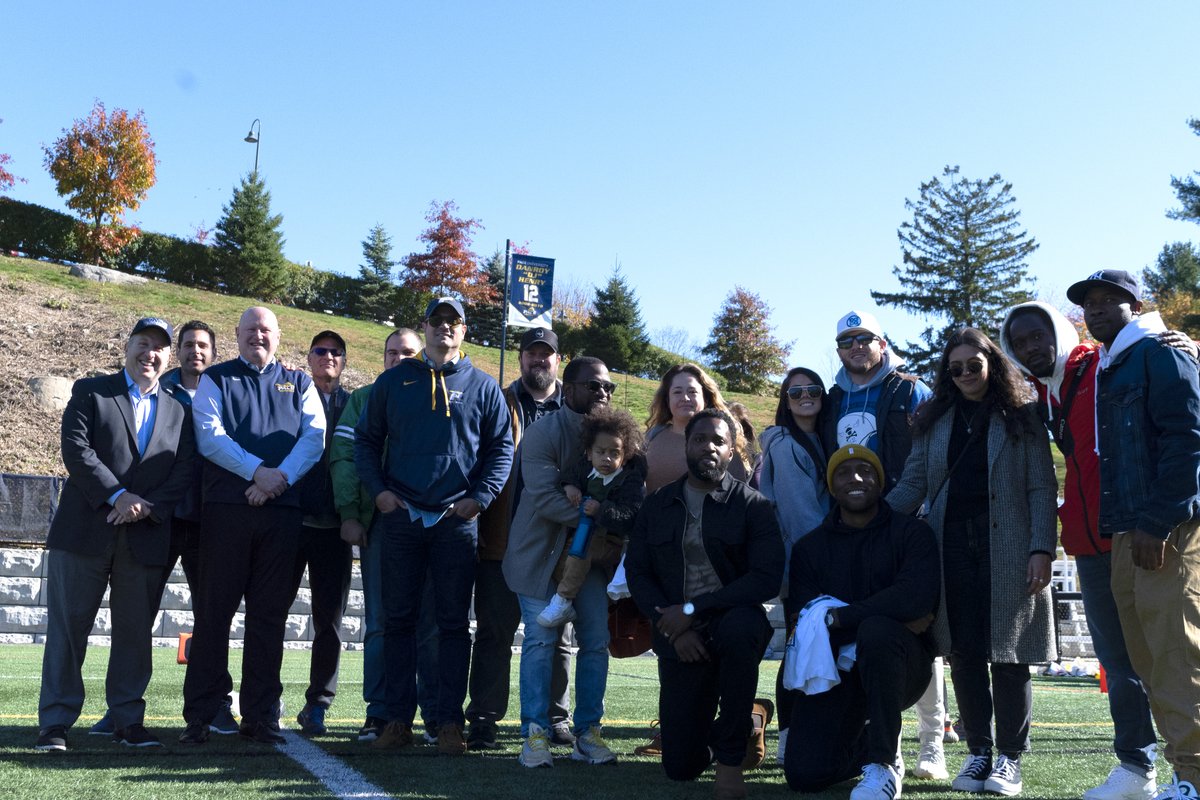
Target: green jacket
(351, 498)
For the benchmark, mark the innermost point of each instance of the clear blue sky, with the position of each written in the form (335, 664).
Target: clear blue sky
(702, 145)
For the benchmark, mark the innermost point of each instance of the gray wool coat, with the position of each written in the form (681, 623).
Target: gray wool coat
(1024, 492)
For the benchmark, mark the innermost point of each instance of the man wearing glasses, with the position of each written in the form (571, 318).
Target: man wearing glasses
(535, 541)
(434, 448)
(871, 404)
(322, 550)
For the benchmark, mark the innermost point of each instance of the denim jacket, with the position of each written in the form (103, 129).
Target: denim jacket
(1148, 420)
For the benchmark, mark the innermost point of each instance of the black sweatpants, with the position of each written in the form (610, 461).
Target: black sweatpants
(829, 740)
(707, 704)
(328, 559)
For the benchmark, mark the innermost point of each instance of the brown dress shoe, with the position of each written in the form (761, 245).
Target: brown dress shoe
(395, 735)
(450, 740)
(652, 748)
(730, 784)
(761, 714)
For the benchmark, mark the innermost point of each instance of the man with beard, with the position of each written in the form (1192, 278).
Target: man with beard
(1148, 441)
(537, 537)
(529, 398)
(870, 577)
(704, 555)
(871, 404)
(1046, 347)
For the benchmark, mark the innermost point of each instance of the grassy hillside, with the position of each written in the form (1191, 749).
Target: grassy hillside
(54, 324)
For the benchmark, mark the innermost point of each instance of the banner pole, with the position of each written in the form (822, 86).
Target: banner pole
(504, 308)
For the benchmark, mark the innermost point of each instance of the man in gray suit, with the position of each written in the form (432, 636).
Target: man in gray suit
(128, 449)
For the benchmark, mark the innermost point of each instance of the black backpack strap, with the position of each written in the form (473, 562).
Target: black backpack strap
(1058, 424)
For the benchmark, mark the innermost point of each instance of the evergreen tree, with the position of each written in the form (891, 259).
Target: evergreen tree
(964, 261)
(616, 333)
(1187, 189)
(249, 243)
(486, 317)
(742, 347)
(377, 296)
(1174, 285)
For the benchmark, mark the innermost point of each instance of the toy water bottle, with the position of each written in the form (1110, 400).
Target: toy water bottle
(583, 533)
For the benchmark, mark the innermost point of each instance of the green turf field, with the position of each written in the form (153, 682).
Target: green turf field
(1071, 746)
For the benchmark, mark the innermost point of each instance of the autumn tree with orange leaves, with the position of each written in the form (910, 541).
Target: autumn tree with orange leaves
(448, 266)
(7, 179)
(104, 165)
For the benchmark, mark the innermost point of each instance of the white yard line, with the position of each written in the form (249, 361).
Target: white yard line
(341, 780)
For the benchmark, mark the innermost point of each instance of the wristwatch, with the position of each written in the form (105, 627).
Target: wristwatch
(688, 609)
(829, 618)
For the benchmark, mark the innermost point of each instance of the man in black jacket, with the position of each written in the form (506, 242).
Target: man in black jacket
(883, 566)
(705, 554)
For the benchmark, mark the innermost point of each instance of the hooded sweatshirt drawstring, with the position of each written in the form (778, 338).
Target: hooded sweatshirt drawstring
(434, 376)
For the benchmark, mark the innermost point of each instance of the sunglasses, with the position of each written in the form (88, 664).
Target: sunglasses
(437, 322)
(972, 368)
(597, 387)
(846, 342)
(798, 392)
(327, 351)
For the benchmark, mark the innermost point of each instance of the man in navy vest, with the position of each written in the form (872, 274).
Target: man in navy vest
(260, 428)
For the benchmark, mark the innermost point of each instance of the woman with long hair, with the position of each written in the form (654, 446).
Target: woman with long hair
(792, 477)
(981, 465)
(684, 390)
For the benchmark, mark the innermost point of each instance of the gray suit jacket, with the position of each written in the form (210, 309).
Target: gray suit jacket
(99, 450)
(1023, 492)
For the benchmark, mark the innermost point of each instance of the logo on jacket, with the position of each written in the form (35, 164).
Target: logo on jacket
(455, 395)
(286, 386)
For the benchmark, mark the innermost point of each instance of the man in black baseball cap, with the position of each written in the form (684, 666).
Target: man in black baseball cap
(1108, 279)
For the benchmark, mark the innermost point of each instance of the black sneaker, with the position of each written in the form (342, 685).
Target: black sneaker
(482, 736)
(371, 729)
(223, 723)
(975, 770)
(136, 735)
(104, 727)
(261, 732)
(52, 738)
(195, 733)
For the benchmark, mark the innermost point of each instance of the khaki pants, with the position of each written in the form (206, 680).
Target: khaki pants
(1160, 617)
(604, 550)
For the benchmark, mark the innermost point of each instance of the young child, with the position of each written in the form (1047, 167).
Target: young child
(608, 483)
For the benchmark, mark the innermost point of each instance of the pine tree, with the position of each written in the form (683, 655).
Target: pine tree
(1174, 285)
(376, 300)
(964, 261)
(616, 333)
(742, 347)
(1187, 189)
(249, 243)
(486, 318)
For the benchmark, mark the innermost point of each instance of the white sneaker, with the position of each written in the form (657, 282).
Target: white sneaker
(782, 746)
(1005, 778)
(592, 748)
(1123, 784)
(975, 770)
(536, 750)
(1177, 790)
(931, 761)
(879, 782)
(558, 613)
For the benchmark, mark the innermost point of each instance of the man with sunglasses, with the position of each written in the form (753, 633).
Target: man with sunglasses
(871, 404)
(535, 540)
(434, 448)
(322, 550)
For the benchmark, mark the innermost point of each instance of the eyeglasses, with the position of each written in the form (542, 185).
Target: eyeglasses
(972, 368)
(596, 387)
(327, 351)
(846, 342)
(437, 322)
(798, 392)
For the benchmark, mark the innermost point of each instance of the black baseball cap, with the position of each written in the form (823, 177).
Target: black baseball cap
(158, 323)
(328, 335)
(1117, 278)
(543, 335)
(445, 301)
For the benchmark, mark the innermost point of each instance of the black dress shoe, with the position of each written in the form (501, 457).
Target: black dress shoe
(136, 735)
(196, 733)
(261, 732)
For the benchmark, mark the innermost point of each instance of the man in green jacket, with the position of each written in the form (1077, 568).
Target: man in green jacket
(356, 508)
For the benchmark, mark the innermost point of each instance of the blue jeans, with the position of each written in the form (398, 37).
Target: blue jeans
(591, 662)
(445, 554)
(374, 666)
(1127, 703)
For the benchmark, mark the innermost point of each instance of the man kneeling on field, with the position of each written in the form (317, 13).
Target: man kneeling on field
(868, 577)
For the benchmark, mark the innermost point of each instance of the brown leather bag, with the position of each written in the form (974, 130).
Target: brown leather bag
(630, 633)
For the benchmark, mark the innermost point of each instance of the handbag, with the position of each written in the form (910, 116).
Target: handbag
(629, 632)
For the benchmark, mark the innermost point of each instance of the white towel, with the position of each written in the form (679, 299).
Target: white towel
(809, 665)
(618, 588)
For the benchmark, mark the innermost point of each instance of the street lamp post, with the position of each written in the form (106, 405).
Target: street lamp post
(253, 138)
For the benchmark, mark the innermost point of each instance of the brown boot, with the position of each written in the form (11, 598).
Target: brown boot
(761, 714)
(729, 785)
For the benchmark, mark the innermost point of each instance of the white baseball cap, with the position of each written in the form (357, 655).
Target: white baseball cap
(858, 321)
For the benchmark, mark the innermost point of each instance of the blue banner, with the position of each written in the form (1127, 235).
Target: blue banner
(531, 292)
